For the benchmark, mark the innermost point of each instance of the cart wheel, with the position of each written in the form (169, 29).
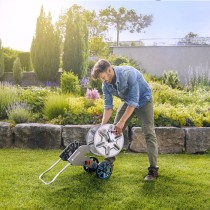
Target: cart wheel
(104, 170)
(90, 170)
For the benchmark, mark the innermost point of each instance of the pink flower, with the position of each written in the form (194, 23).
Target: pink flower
(92, 94)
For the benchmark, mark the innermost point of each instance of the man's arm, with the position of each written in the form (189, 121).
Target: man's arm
(106, 116)
(128, 112)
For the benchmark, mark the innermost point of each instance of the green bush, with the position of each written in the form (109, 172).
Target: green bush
(117, 60)
(70, 83)
(81, 111)
(55, 105)
(122, 61)
(19, 113)
(35, 97)
(8, 95)
(171, 79)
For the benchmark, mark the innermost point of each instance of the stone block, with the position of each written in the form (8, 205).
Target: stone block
(34, 135)
(138, 143)
(170, 140)
(197, 139)
(73, 133)
(6, 135)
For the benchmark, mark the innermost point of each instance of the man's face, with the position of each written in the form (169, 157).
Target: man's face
(107, 76)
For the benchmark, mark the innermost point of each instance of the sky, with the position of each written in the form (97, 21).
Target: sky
(171, 19)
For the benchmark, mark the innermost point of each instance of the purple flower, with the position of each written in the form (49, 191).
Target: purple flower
(92, 94)
(84, 82)
(50, 84)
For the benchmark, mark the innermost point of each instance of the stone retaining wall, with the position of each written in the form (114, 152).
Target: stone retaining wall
(47, 136)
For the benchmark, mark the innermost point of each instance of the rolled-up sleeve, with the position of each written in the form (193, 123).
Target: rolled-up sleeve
(108, 98)
(133, 93)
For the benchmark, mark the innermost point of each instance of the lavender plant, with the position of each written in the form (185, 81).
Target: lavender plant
(19, 112)
(8, 95)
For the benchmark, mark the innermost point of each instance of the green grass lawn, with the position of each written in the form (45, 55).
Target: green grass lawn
(184, 183)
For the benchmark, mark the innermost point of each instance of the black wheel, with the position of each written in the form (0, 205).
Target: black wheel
(90, 170)
(104, 170)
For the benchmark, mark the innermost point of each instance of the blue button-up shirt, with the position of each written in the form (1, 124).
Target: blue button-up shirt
(131, 88)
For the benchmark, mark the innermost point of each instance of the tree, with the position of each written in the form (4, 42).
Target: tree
(193, 39)
(17, 71)
(75, 52)
(123, 19)
(9, 57)
(1, 61)
(98, 47)
(93, 23)
(45, 48)
(25, 59)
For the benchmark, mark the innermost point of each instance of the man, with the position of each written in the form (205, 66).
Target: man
(128, 84)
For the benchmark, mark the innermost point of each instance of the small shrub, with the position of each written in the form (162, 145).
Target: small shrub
(54, 106)
(70, 83)
(118, 60)
(171, 79)
(76, 112)
(35, 97)
(19, 113)
(122, 61)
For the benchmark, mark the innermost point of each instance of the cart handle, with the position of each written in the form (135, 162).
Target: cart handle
(55, 177)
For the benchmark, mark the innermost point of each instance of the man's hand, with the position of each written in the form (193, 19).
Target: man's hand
(118, 128)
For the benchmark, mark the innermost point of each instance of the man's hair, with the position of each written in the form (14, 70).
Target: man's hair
(99, 67)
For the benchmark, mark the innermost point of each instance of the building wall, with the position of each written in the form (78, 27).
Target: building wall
(186, 60)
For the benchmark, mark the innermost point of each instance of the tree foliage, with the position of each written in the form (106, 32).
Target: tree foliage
(17, 71)
(193, 39)
(9, 57)
(75, 51)
(45, 48)
(1, 61)
(123, 19)
(93, 23)
(25, 59)
(98, 47)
